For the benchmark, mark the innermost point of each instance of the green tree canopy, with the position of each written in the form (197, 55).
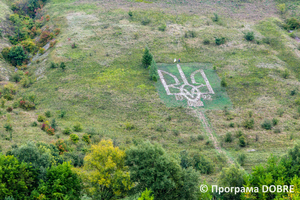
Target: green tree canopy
(147, 58)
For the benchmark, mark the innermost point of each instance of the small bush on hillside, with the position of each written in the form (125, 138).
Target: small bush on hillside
(223, 82)
(248, 123)
(74, 138)
(147, 58)
(275, 121)
(297, 101)
(48, 113)
(145, 21)
(228, 137)
(249, 36)
(41, 118)
(231, 124)
(280, 112)
(175, 132)
(129, 126)
(67, 131)
(190, 34)
(220, 41)
(77, 127)
(216, 17)
(241, 159)
(50, 131)
(238, 134)
(200, 137)
(277, 130)
(74, 46)
(86, 138)
(130, 13)
(62, 114)
(267, 124)
(53, 65)
(153, 71)
(62, 66)
(34, 124)
(242, 142)
(206, 42)
(8, 127)
(162, 27)
(203, 164)
(293, 23)
(285, 74)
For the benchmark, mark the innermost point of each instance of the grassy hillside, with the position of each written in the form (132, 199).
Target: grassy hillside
(105, 88)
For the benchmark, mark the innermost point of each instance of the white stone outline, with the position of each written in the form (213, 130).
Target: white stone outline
(194, 96)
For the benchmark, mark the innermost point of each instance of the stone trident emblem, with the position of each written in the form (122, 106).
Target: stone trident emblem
(191, 92)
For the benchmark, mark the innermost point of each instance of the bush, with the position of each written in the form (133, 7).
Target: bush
(34, 124)
(129, 126)
(248, 123)
(200, 137)
(249, 36)
(242, 142)
(190, 34)
(9, 109)
(277, 130)
(267, 124)
(50, 131)
(77, 127)
(231, 125)
(145, 21)
(42, 51)
(216, 17)
(41, 118)
(17, 55)
(241, 159)
(153, 71)
(56, 31)
(74, 46)
(223, 82)
(53, 65)
(228, 137)
(8, 127)
(67, 131)
(275, 121)
(74, 138)
(206, 42)
(48, 113)
(293, 23)
(62, 114)
(62, 66)
(162, 27)
(220, 41)
(285, 74)
(86, 138)
(203, 164)
(130, 13)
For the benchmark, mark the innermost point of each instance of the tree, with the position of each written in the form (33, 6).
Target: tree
(17, 179)
(105, 171)
(231, 177)
(62, 183)
(62, 66)
(147, 58)
(17, 55)
(153, 71)
(146, 195)
(151, 167)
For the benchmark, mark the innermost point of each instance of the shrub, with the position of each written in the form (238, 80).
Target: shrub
(9, 109)
(228, 137)
(34, 124)
(285, 74)
(200, 137)
(62, 66)
(190, 34)
(54, 124)
(52, 43)
(277, 130)
(249, 36)
(26, 105)
(241, 159)
(175, 132)
(50, 131)
(248, 123)
(74, 138)
(17, 76)
(206, 42)
(281, 8)
(86, 138)
(77, 127)
(203, 164)
(61, 146)
(267, 124)
(238, 134)
(48, 113)
(41, 118)
(223, 82)
(231, 124)
(8, 127)
(162, 27)
(45, 126)
(297, 101)
(242, 142)
(145, 21)
(53, 65)
(67, 131)
(56, 31)
(216, 17)
(42, 51)
(130, 13)
(62, 114)
(280, 112)
(275, 121)
(74, 46)
(293, 23)
(3, 101)
(220, 41)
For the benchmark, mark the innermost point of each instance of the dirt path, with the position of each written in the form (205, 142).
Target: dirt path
(211, 136)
